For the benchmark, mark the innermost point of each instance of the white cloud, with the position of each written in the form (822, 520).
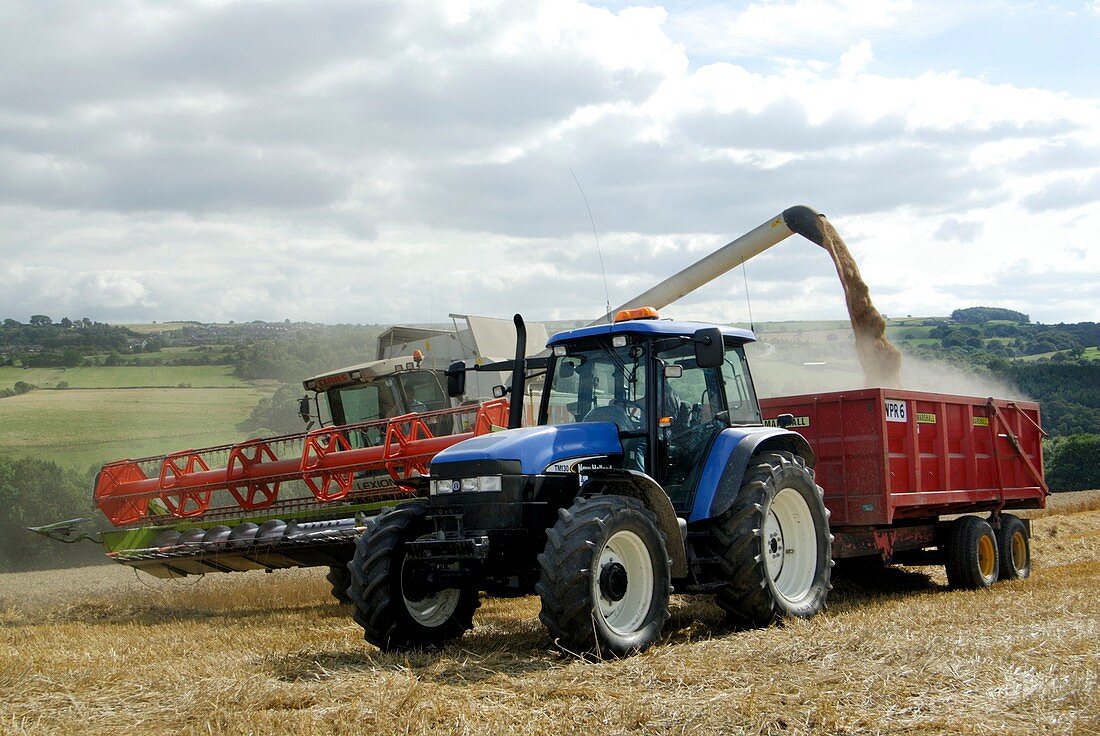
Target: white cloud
(855, 60)
(762, 27)
(338, 161)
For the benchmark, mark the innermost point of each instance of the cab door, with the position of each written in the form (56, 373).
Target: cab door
(692, 411)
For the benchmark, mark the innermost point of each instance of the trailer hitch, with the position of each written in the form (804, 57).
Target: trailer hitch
(67, 531)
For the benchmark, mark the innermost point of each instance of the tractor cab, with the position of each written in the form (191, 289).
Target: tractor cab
(668, 387)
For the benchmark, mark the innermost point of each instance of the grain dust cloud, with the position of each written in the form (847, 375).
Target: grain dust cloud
(879, 359)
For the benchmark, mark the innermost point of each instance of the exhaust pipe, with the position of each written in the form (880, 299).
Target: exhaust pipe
(519, 375)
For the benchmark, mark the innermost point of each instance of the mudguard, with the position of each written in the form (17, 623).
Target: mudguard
(639, 485)
(728, 459)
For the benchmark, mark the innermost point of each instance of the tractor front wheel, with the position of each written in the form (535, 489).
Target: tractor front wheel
(392, 616)
(605, 577)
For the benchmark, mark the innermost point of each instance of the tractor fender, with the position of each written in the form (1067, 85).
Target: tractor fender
(728, 461)
(612, 481)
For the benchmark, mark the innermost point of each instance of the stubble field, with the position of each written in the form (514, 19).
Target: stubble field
(102, 651)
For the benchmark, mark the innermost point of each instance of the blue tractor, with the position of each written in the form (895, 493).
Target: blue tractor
(650, 470)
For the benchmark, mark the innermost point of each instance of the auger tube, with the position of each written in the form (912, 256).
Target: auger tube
(798, 219)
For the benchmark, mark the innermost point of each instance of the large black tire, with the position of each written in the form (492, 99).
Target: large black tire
(339, 577)
(1014, 545)
(972, 561)
(773, 547)
(391, 621)
(605, 577)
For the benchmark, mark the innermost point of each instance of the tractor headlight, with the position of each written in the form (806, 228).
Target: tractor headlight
(440, 486)
(485, 483)
(489, 483)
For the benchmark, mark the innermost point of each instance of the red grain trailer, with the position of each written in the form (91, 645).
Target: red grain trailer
(893, 462)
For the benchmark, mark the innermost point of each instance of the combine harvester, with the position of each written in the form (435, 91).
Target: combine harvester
(296, 500)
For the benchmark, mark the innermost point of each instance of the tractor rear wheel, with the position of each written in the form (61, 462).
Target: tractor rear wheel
(393, 617)
(605, 577)
(1014, 544)
(972, 558)
(772, 547)
(339, 577)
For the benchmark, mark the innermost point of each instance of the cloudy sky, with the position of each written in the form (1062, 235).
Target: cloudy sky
(382, 162)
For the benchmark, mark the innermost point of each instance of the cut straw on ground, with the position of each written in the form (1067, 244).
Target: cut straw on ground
(101, 651)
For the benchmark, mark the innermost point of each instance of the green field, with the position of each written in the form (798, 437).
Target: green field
(1090, 354)
(198, 376)
(81, 427)
(150, 329)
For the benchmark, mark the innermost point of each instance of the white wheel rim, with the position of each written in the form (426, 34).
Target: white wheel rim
(790, 545)
(434, 610)
(431, 610)
(626, 615)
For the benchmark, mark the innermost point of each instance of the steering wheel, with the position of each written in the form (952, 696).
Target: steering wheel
(634, 411)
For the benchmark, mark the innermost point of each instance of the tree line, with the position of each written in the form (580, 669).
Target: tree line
(295, 356)
(34, 492)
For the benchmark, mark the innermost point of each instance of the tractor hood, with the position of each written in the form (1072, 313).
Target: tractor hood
(534, 448)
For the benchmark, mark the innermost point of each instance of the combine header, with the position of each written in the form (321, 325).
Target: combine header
(248, 476)
(321, 479)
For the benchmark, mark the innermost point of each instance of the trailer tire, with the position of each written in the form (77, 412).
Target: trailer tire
(391, 621)
(972, 558)
(605, 577)
(772, 548)
(1014, 544)
(339, 577)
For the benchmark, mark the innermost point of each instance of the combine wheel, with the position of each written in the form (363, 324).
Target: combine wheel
(1014, 544)
(773, 546)
(393, 617)
(339, 577)
(972, 559)
(605, 577)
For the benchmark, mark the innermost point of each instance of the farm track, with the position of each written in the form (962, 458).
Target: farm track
(100, 651)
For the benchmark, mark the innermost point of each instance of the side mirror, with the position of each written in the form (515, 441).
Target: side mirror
(784, 420)
(709, 352)
(568, 370)
(499, 392)
(456, 379)
(303, 408)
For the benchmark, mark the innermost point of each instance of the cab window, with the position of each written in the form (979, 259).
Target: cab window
(740, 398)
(422, 391)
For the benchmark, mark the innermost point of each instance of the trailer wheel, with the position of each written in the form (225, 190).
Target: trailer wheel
(605, 577)
(339, 577)
(1014, 544)
(972, 558)
(392, 617)
(773, 548)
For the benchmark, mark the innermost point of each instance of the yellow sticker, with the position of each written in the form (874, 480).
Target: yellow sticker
(925, 418)
(797, 422)
(981, 421)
